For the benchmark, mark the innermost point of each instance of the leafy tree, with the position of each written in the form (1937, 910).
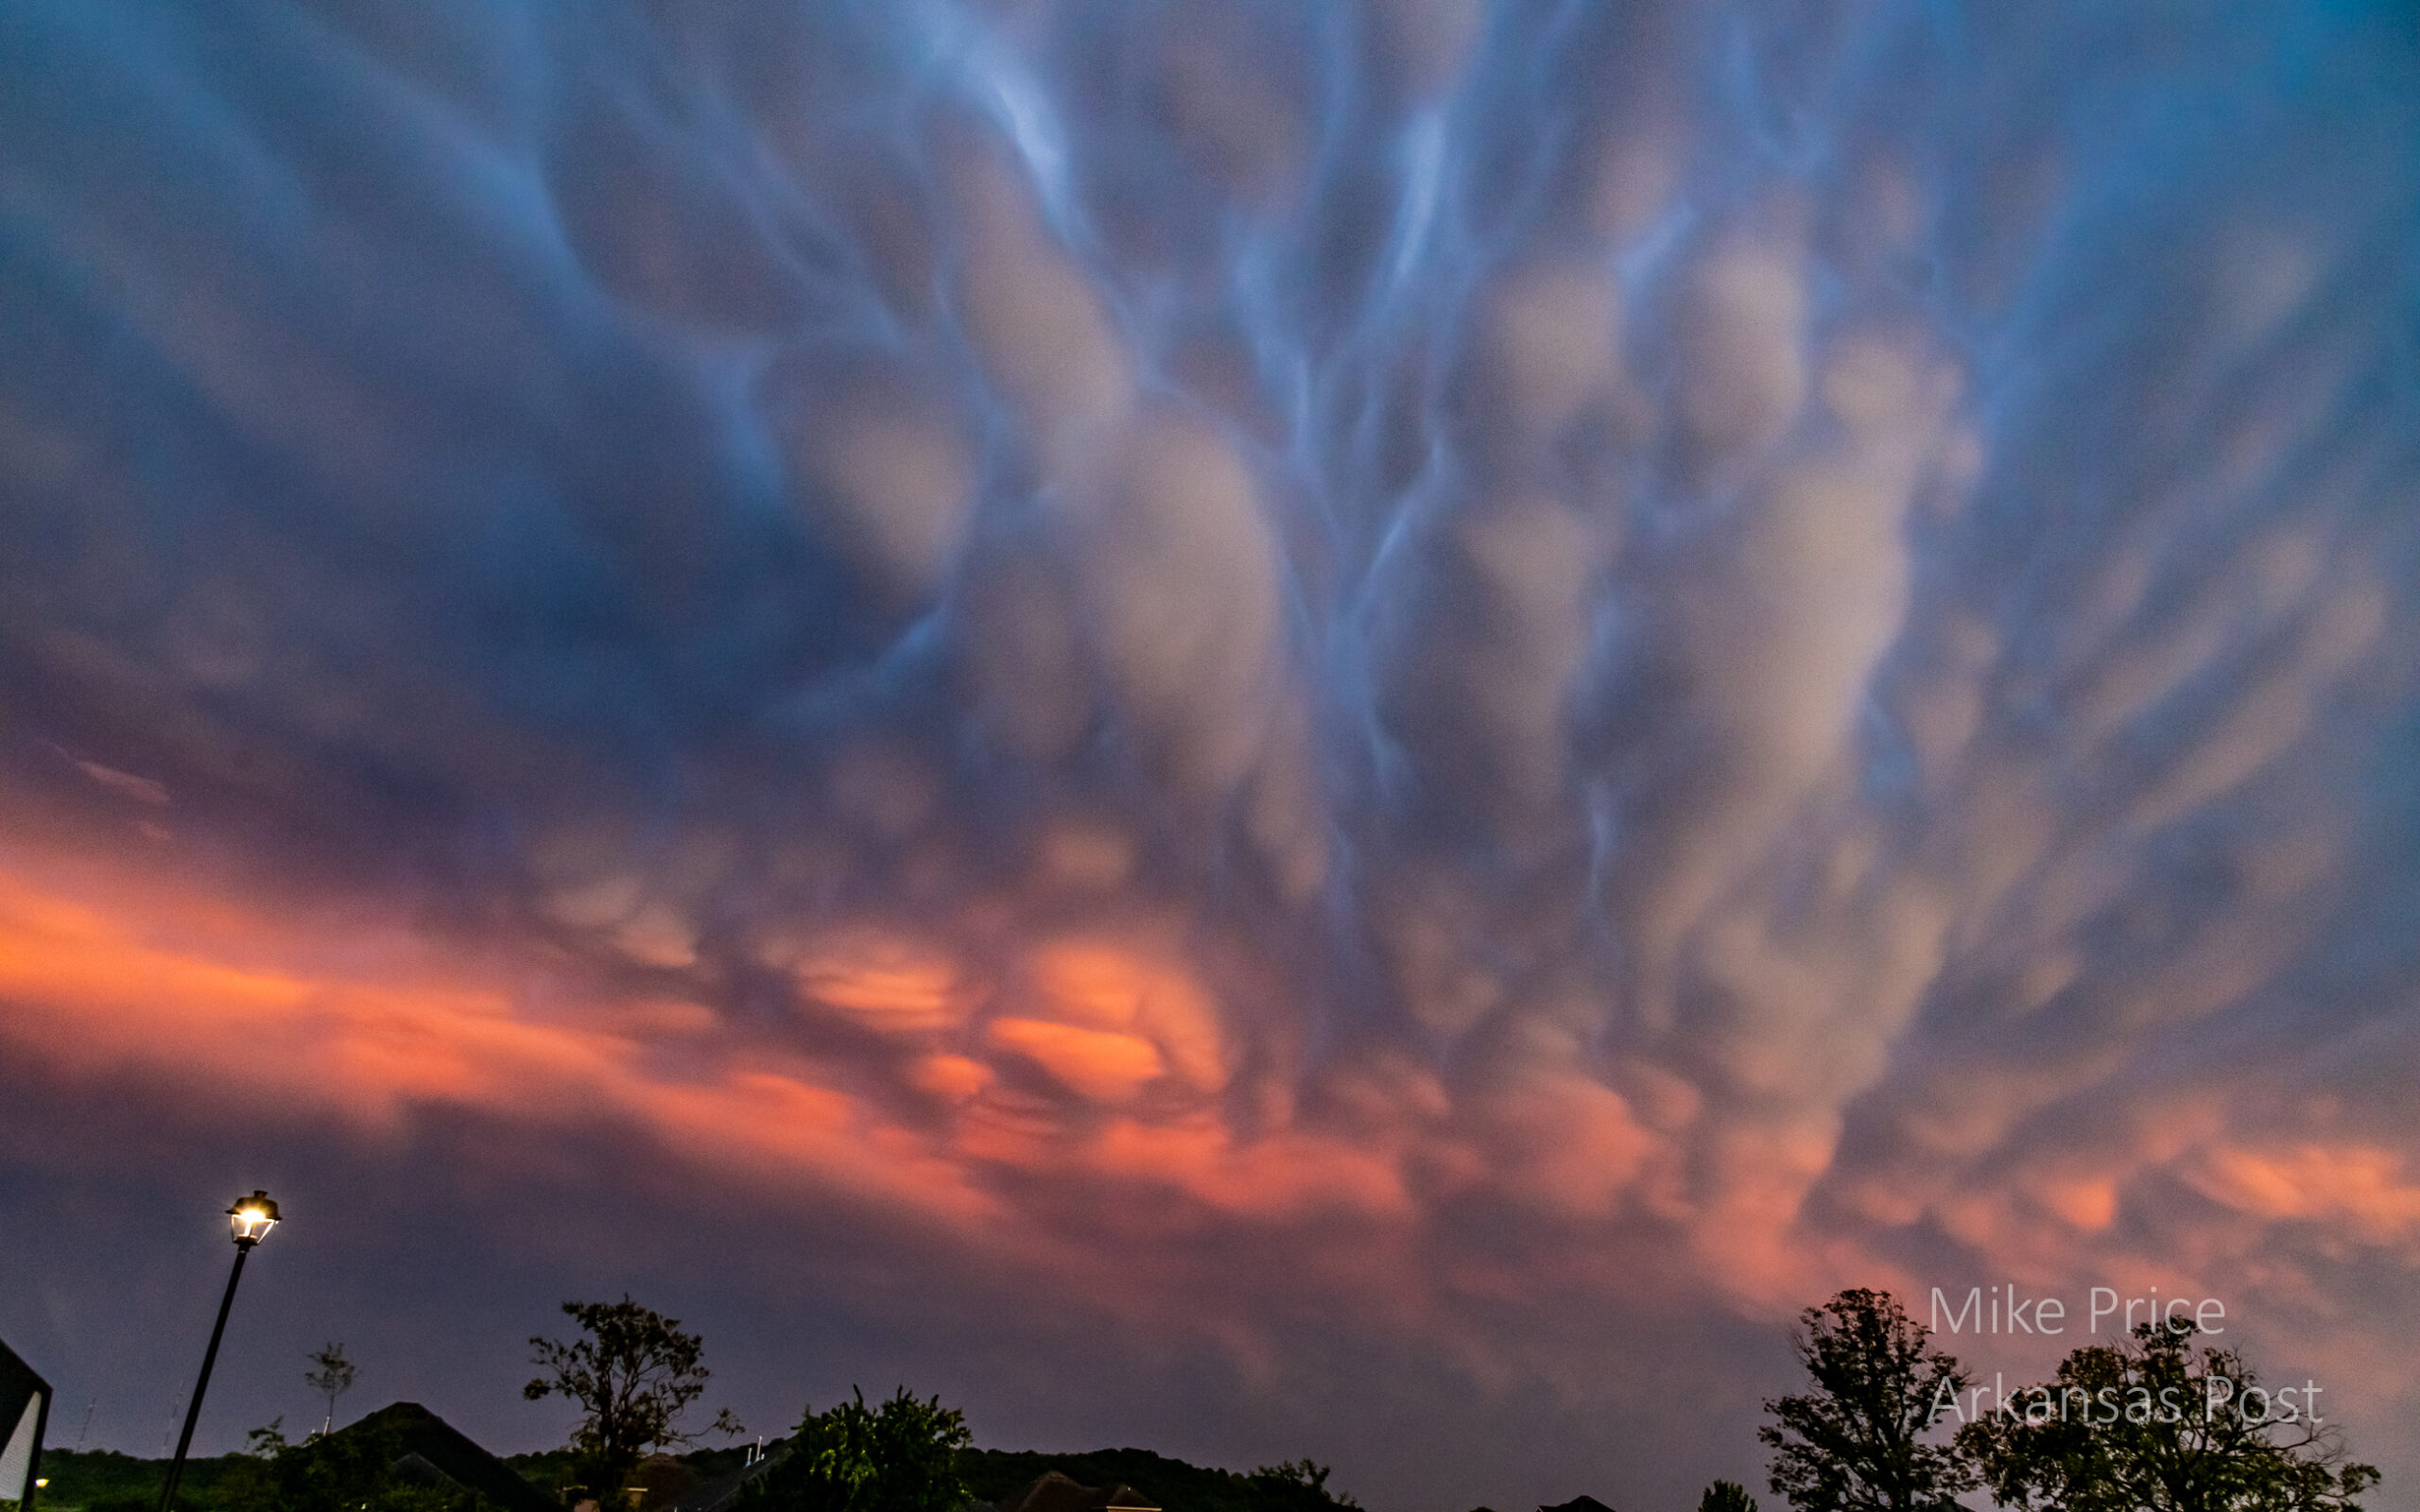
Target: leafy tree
(1856, 1443)
(900, 1456)
(1297, 1485)
(332, 1379)
(2154, 1425)
(632, 1375)
(1726, 1496)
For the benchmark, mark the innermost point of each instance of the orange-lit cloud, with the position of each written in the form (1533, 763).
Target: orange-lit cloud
(108, 975)
(2367, 1188)
(885, 982)
(1103, 1066)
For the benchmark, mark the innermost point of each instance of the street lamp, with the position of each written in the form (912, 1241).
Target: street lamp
(250, 1219)
(248, 1223)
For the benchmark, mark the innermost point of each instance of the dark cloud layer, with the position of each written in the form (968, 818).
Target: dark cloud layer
(1349, 729)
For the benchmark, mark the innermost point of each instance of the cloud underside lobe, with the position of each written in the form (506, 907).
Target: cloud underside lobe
(1508, 650)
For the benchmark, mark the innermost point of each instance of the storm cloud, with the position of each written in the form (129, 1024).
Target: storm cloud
(1311, 686)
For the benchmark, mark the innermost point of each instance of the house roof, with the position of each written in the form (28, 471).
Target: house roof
(712, 1496)
(18, 1383)
(432, 1445)
(1053, 1491)
(1578, 1504)
(24, 1404)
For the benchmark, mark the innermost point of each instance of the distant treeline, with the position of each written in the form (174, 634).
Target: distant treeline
(993, 1473)
(104, 1480)
(108, 1481)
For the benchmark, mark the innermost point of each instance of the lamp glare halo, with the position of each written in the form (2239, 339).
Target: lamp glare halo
(250, 1219)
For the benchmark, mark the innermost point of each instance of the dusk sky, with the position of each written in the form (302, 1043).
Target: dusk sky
(1257, 727)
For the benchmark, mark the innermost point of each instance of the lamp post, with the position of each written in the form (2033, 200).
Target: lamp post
(248, 1223)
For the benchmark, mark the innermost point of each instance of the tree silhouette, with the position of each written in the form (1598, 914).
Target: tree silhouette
(632, 1375)
(1726, 1496)
(333, 1378)
(2154, 1425)
(1300, 1485)
(1856, 1443)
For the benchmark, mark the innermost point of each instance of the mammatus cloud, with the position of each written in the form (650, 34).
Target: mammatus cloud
(1486, 655)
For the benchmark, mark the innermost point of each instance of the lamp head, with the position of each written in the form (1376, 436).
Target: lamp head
(250, 1219)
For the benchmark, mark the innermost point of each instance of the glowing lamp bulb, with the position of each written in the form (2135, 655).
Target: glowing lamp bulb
(250, 1219)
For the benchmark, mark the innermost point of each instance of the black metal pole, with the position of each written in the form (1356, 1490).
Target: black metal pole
(209, 1358)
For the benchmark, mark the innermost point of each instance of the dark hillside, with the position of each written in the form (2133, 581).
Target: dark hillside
(993, 1473)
